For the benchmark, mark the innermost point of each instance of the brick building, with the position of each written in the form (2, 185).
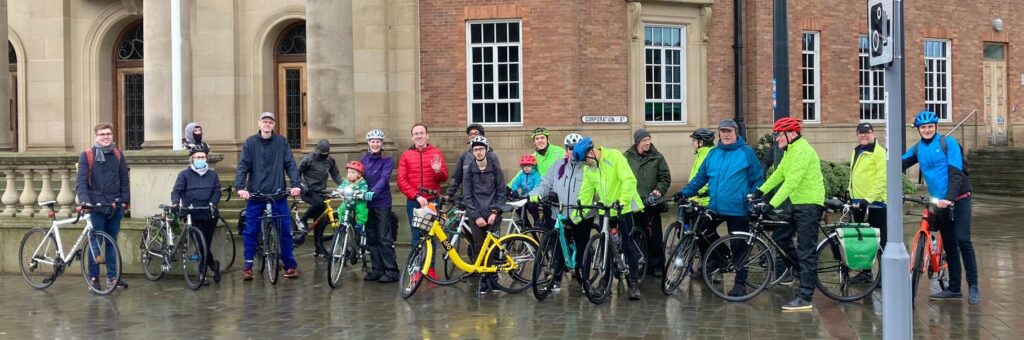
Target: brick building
(668, 66)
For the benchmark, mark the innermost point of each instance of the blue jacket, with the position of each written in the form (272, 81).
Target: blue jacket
(943, 171)
(264, 163)
(378, 177)
(730, 172)
(524, 183)
(109, 180)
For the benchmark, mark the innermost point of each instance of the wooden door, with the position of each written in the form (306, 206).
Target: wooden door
(130, 120)
(995, 93)
(291, 102)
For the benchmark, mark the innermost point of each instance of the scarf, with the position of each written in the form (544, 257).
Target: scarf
(202, 171)
(544, 151)
(99, 150)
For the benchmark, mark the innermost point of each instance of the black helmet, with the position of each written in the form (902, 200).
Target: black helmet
(199, 147)
(703, 135)
(476, 127)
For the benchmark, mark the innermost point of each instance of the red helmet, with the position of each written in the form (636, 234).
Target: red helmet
(787, 124)
(355, 165)
(528, 160)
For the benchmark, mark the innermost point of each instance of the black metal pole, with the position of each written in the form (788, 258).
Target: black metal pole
(738, 60)
(780, 57)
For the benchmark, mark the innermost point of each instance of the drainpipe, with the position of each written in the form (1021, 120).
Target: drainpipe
(738, 61)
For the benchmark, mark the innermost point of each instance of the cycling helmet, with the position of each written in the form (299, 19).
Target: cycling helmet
(355, 165)
(375, 134)
(527, 160)
(926, 117)
(198, 147)
(579, 152)
(475, 126)
(787, 124)
(571, 139)
(540, 131)
(703, 135)
(479, 141)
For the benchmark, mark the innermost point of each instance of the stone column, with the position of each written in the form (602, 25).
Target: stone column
(330, 82)
(5, 107)
(156, 26)
(10, 197)
(45, 193)
(65, 197)
(28, 195)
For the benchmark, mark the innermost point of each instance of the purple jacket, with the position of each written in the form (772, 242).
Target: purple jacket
(378, 178)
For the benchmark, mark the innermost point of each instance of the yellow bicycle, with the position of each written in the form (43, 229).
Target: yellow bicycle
(509, 257)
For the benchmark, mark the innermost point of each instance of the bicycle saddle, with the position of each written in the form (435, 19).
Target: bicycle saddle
(517, 204)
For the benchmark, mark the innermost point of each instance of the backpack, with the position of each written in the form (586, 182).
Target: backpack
(945, 150)
(90, 158)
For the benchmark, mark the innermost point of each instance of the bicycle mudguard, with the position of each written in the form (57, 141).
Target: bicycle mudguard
(428, 259)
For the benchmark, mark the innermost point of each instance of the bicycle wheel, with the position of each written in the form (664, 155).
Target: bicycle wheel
(352, 236)
(336, 261)
(942, 276)
(101, 251)
(519, 249)
(151, 250)
(754, 260)
(836, 280)
(452, 273)
(679, 264)
(673, 235)
(38, 256)
(272, 248)
(411, 276)
(193, 257)
(229, 247)
(323, 238)
(917, 268)
(642, 256)
(597, 270)
(545, 267)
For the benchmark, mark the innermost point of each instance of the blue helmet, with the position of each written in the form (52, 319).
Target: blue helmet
(579, 152)
(926, 117)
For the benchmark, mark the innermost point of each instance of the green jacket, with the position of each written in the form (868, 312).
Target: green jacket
(612, 180)
(867, 174)
(651, 171)
(800, 176)
(702, 194)
(360, 205)
(544, 162)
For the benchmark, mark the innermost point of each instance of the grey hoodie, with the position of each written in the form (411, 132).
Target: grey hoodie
(564, 178)
(190, 140)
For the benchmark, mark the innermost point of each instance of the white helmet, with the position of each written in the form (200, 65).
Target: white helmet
(479, 140)
(572, 138)
(375, 134)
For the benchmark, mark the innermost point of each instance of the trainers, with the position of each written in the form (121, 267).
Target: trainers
(787, 279)
(389, 277)
(485, 286)
(373, 276)
(973, 295)
(947, 294)
(94, 282)
(556, 287)
(247, 274)
(634, 293)
(797, 304)
(862, 277)
(432, 274)
(121, 283)
(216, 271)
(738, 290)
(302, 227)
(291, 273)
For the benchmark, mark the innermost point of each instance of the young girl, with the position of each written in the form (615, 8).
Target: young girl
(355, 183)
(524, 182)
(198, 186)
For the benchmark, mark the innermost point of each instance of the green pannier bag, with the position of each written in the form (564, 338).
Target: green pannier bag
(859, 245)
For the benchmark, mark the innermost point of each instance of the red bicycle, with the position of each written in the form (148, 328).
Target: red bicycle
(928, 255)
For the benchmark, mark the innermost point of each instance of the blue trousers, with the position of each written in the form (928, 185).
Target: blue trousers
(110, 224)
(251, 234)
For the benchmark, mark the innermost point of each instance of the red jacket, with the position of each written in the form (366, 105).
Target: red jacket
(414, 171)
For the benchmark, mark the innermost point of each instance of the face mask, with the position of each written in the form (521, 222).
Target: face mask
(197, 137)
(199, 164)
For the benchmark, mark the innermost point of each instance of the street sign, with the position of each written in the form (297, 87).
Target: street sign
(880, 32)
(604, 119)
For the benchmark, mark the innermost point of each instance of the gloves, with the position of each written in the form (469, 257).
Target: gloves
(368, 196)
(757, 194)
(535, 199)
(767, 208)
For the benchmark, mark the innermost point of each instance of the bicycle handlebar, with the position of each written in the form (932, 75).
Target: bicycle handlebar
(269, 197)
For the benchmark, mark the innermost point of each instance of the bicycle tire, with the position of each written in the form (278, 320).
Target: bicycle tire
(763, 260)
(642, 256)
(107, 248)
(323, 238)
(272, 248)
(352, 236)
(679, 265)
(943, 274)
(152, 248)
(673, 235)
(833, 278)
(453, 273)
(522, 250)
(536, 234)
(597, 270)
(412, 276)
(336, 261)
(229, 247)
(193, 257)
(917, 268)
(545, 267)
(35, 269)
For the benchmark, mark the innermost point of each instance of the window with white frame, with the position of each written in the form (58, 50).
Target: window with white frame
(811, 71)
(494, 73)
(665, 74)
(872, 85)
(938, 78)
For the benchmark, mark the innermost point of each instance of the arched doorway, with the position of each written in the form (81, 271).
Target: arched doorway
(128, 88)
(290, 84)
(12, 68)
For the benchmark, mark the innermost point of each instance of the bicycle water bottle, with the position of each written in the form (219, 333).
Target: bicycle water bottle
(686, 227)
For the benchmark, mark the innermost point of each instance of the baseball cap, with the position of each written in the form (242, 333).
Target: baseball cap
(865, 127)
(267, 115)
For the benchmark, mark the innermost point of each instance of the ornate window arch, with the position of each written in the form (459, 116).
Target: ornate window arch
(129, 87)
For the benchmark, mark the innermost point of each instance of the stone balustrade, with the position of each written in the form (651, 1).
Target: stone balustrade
(37, 171)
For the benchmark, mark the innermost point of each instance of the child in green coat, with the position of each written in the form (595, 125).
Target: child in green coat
(355, 193)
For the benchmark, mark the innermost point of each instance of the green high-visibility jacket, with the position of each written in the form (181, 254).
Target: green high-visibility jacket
(867, 174)
(612, 180)
(800, 176)
(702, 195)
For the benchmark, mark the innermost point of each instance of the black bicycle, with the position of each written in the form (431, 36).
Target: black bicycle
(268, 250)
(683, 240)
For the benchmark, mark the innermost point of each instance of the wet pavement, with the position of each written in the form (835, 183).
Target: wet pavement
(307, 308)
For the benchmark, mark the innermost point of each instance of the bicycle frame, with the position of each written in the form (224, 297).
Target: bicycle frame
(65, 258)
(933, 257)
(490, 243)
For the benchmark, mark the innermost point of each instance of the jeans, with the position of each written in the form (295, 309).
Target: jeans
(956, 242)
(806, 219)
(655, 239)
(380, 239)
(250, 236)
(110, 224)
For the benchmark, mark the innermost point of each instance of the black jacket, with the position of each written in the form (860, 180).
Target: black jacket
(466, 159)
(483, 190)
(264, 163)
(194, 190)
(314, 170)
(109, 180)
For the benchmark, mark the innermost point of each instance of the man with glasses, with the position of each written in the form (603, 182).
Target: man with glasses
(103, 183)
(867, 184)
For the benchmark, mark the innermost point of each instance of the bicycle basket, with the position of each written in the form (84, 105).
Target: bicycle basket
(423, 218)
(859, 245)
